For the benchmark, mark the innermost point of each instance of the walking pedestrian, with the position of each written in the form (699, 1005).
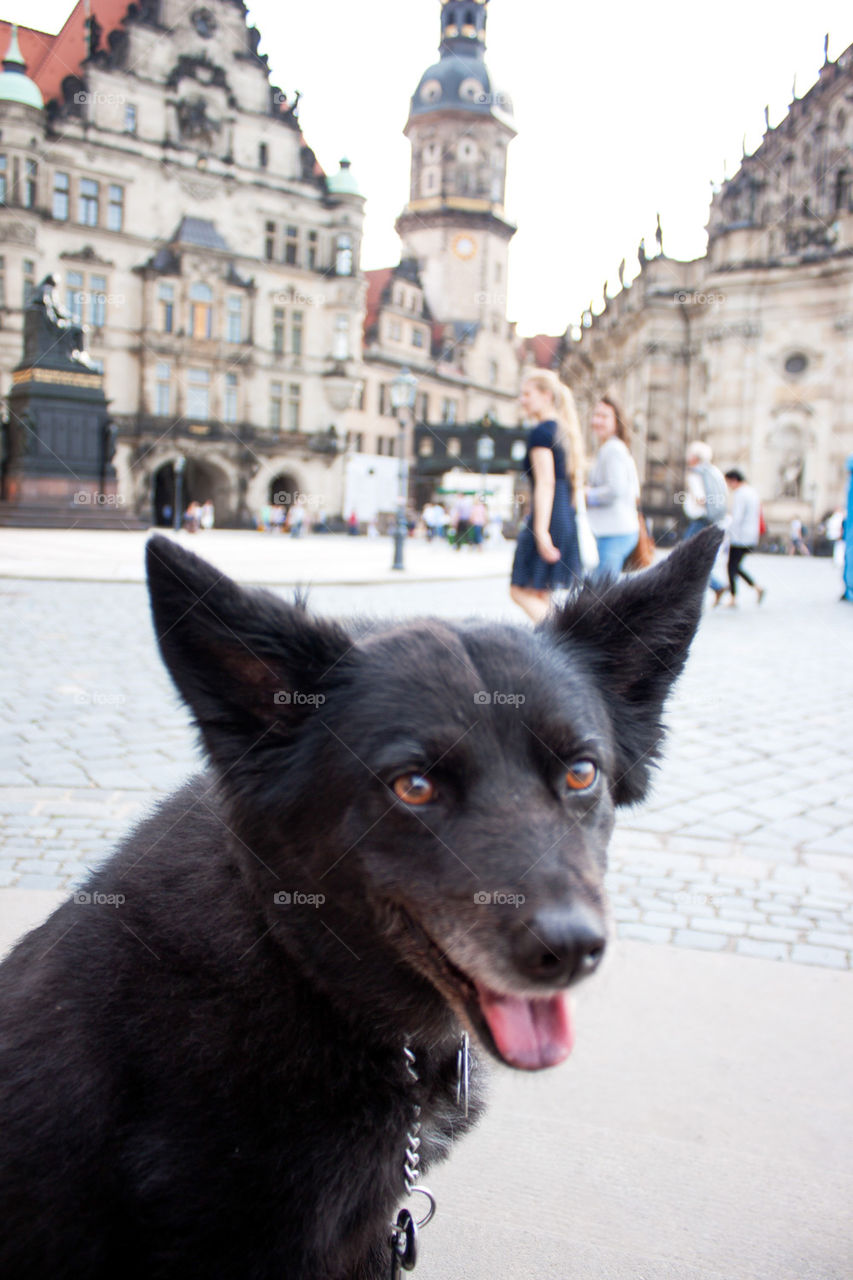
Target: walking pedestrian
(613, 489)
(798, 545)
(704, 501)
(547, 555)
(743, 532)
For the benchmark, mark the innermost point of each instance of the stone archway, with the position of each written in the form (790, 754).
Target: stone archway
(282, 489)
(203, 479)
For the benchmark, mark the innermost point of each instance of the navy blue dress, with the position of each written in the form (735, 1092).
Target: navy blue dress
(528, 567)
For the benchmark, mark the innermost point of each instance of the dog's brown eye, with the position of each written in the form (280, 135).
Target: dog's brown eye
(414, 788)
(581, 775)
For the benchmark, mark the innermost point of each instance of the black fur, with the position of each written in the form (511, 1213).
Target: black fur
(202, 1079)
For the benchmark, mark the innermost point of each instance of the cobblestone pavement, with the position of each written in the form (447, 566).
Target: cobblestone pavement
(745, 846)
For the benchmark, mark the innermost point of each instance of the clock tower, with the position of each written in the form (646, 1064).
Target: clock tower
(454, 225)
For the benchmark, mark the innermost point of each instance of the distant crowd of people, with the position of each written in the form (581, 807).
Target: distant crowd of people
(581, 519)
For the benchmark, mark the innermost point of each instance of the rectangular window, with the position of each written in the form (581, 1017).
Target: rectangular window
(61, 196)
(340, 348)
(166, 299)
(493, 372)
(395, 330)
(278, 330)
(344, 256)
(97, 301)
(201, 311)
(87, 204)
(3, 179)
(276, 399)
(297, 326)
(294, 406)
(31, 173)
(423, 407)
(163, 390)
(263, 155)
(129, 118)
(291, 246)
(74, 295)
(198, 393)
(115, 208)
(29, 280)
(234, 320)
(448, 411)
(312, 251)
(230, 412)
(417, 337)
(269, 241)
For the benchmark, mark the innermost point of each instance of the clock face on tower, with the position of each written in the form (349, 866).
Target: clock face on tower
(464, 246)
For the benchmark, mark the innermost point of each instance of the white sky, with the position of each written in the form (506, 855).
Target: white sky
(622, 110)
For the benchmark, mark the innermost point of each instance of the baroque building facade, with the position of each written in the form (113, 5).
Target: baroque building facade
(147, 160)
(749, 347)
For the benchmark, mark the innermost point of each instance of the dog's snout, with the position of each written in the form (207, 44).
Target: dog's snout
(560, 945)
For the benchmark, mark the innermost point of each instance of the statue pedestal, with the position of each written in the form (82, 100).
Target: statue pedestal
(58, 442)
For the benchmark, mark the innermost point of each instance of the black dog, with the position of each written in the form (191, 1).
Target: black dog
(213, 1054)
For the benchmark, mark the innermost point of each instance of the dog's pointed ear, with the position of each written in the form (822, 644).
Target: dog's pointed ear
(250, 666)
(634, 635)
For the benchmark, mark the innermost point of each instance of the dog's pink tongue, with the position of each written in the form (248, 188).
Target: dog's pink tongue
(529, 1034)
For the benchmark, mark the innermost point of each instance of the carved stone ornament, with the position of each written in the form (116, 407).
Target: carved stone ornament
(194, 123)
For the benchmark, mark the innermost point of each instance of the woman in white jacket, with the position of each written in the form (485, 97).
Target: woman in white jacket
(614, 488)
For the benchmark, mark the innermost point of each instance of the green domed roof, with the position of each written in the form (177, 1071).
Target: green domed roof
(15, 84)
(343, 182)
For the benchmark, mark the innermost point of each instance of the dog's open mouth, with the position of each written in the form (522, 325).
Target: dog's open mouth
(528, 1033)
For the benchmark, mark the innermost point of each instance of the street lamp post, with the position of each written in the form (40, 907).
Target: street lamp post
(403, 390)
(178, 513)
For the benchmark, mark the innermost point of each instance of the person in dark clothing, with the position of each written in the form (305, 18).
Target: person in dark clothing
(547, 555)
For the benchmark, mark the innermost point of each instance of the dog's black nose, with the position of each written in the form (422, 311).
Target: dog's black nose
(559, 945)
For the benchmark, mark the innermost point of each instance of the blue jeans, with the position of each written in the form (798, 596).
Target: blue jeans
(612, 550)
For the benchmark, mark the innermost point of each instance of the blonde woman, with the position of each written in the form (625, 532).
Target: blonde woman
(547, 555)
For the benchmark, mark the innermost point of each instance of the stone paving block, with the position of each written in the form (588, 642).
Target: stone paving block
(771, 933)
(796, 831)
(836, 842)
(644, 932)
(31, 881)
(12, 778)
(842, 941)
(778, 808)
(700, 939)
(762, 950)
(808, 878)
(826, 956)
(791, 922)
(8, 877)
(731, 927)
(40, 866)
(668, 919)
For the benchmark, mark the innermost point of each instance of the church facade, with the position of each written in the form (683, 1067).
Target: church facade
(749, 348)
(148, 162)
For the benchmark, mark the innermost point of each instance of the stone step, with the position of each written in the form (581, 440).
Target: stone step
(34, 515)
